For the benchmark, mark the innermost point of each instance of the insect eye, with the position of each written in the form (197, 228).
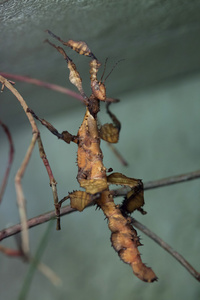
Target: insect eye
(99, 90)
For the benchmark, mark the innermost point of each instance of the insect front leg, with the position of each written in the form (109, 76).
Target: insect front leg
(65, 135)
(74, 75)
(79, 46)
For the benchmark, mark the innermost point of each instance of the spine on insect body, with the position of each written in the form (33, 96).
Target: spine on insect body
(91, 171)
(124, 238)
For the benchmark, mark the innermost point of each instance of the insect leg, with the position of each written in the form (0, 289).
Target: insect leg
(79, 46)
(116, 122)
(65, 135)
(135, 197)
(80, 199)
(74, 75)
(110, 132)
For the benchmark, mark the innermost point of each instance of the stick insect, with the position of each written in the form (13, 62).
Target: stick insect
(92, 174)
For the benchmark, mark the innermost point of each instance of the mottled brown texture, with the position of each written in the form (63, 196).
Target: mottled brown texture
(91, 170)
(124, 238)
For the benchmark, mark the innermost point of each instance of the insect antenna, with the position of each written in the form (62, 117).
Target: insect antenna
(112, 68)
(104, 69)
(55, 36)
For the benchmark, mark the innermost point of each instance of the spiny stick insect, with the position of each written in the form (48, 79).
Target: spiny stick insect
(91, 171)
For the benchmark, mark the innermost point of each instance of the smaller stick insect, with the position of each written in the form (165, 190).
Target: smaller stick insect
(91, 171)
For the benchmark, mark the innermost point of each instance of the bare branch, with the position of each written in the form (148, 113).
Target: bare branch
(98, 93)
(172, 180)
(117, 154)
(5, 233)
(10, 159)
(167, 247)
(119, 192)
(44, 269)
(11, 252)
(21, 170)
(44, 84)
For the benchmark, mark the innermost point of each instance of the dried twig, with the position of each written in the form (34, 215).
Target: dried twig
(167, 247)
(63, 90)
(45, 217)
(44, 269)
(11, 252)
(44, 84)
(10, 160)
(21, 170)
(172, 180)
(117, 154)
(5, 233)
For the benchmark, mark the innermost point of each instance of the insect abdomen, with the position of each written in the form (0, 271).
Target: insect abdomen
(124, 238)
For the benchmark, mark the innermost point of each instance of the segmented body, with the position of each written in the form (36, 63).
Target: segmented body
(91, 171)
(124, 238)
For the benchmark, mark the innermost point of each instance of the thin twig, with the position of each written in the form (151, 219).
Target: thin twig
(172, 180)
(10, 160)
(46, 217)
(167, 247)
(50, 274)
(21, 170)
(44, 269)
(34, 262)
(120, 192)
(44, 84)
(5, 233)
(63, 90)
(10, 252)
(117, 154)
(53, 182)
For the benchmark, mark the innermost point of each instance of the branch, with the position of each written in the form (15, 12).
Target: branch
(167, 247)
(44, 84)
(120, 192)
(172, 180)
(7, 232)
(59, 89)
(21, 170)
(10, 159)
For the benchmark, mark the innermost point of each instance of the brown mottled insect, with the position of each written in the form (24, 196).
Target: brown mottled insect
(91, 170)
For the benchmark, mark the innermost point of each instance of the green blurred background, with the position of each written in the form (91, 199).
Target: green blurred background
(158, 84)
